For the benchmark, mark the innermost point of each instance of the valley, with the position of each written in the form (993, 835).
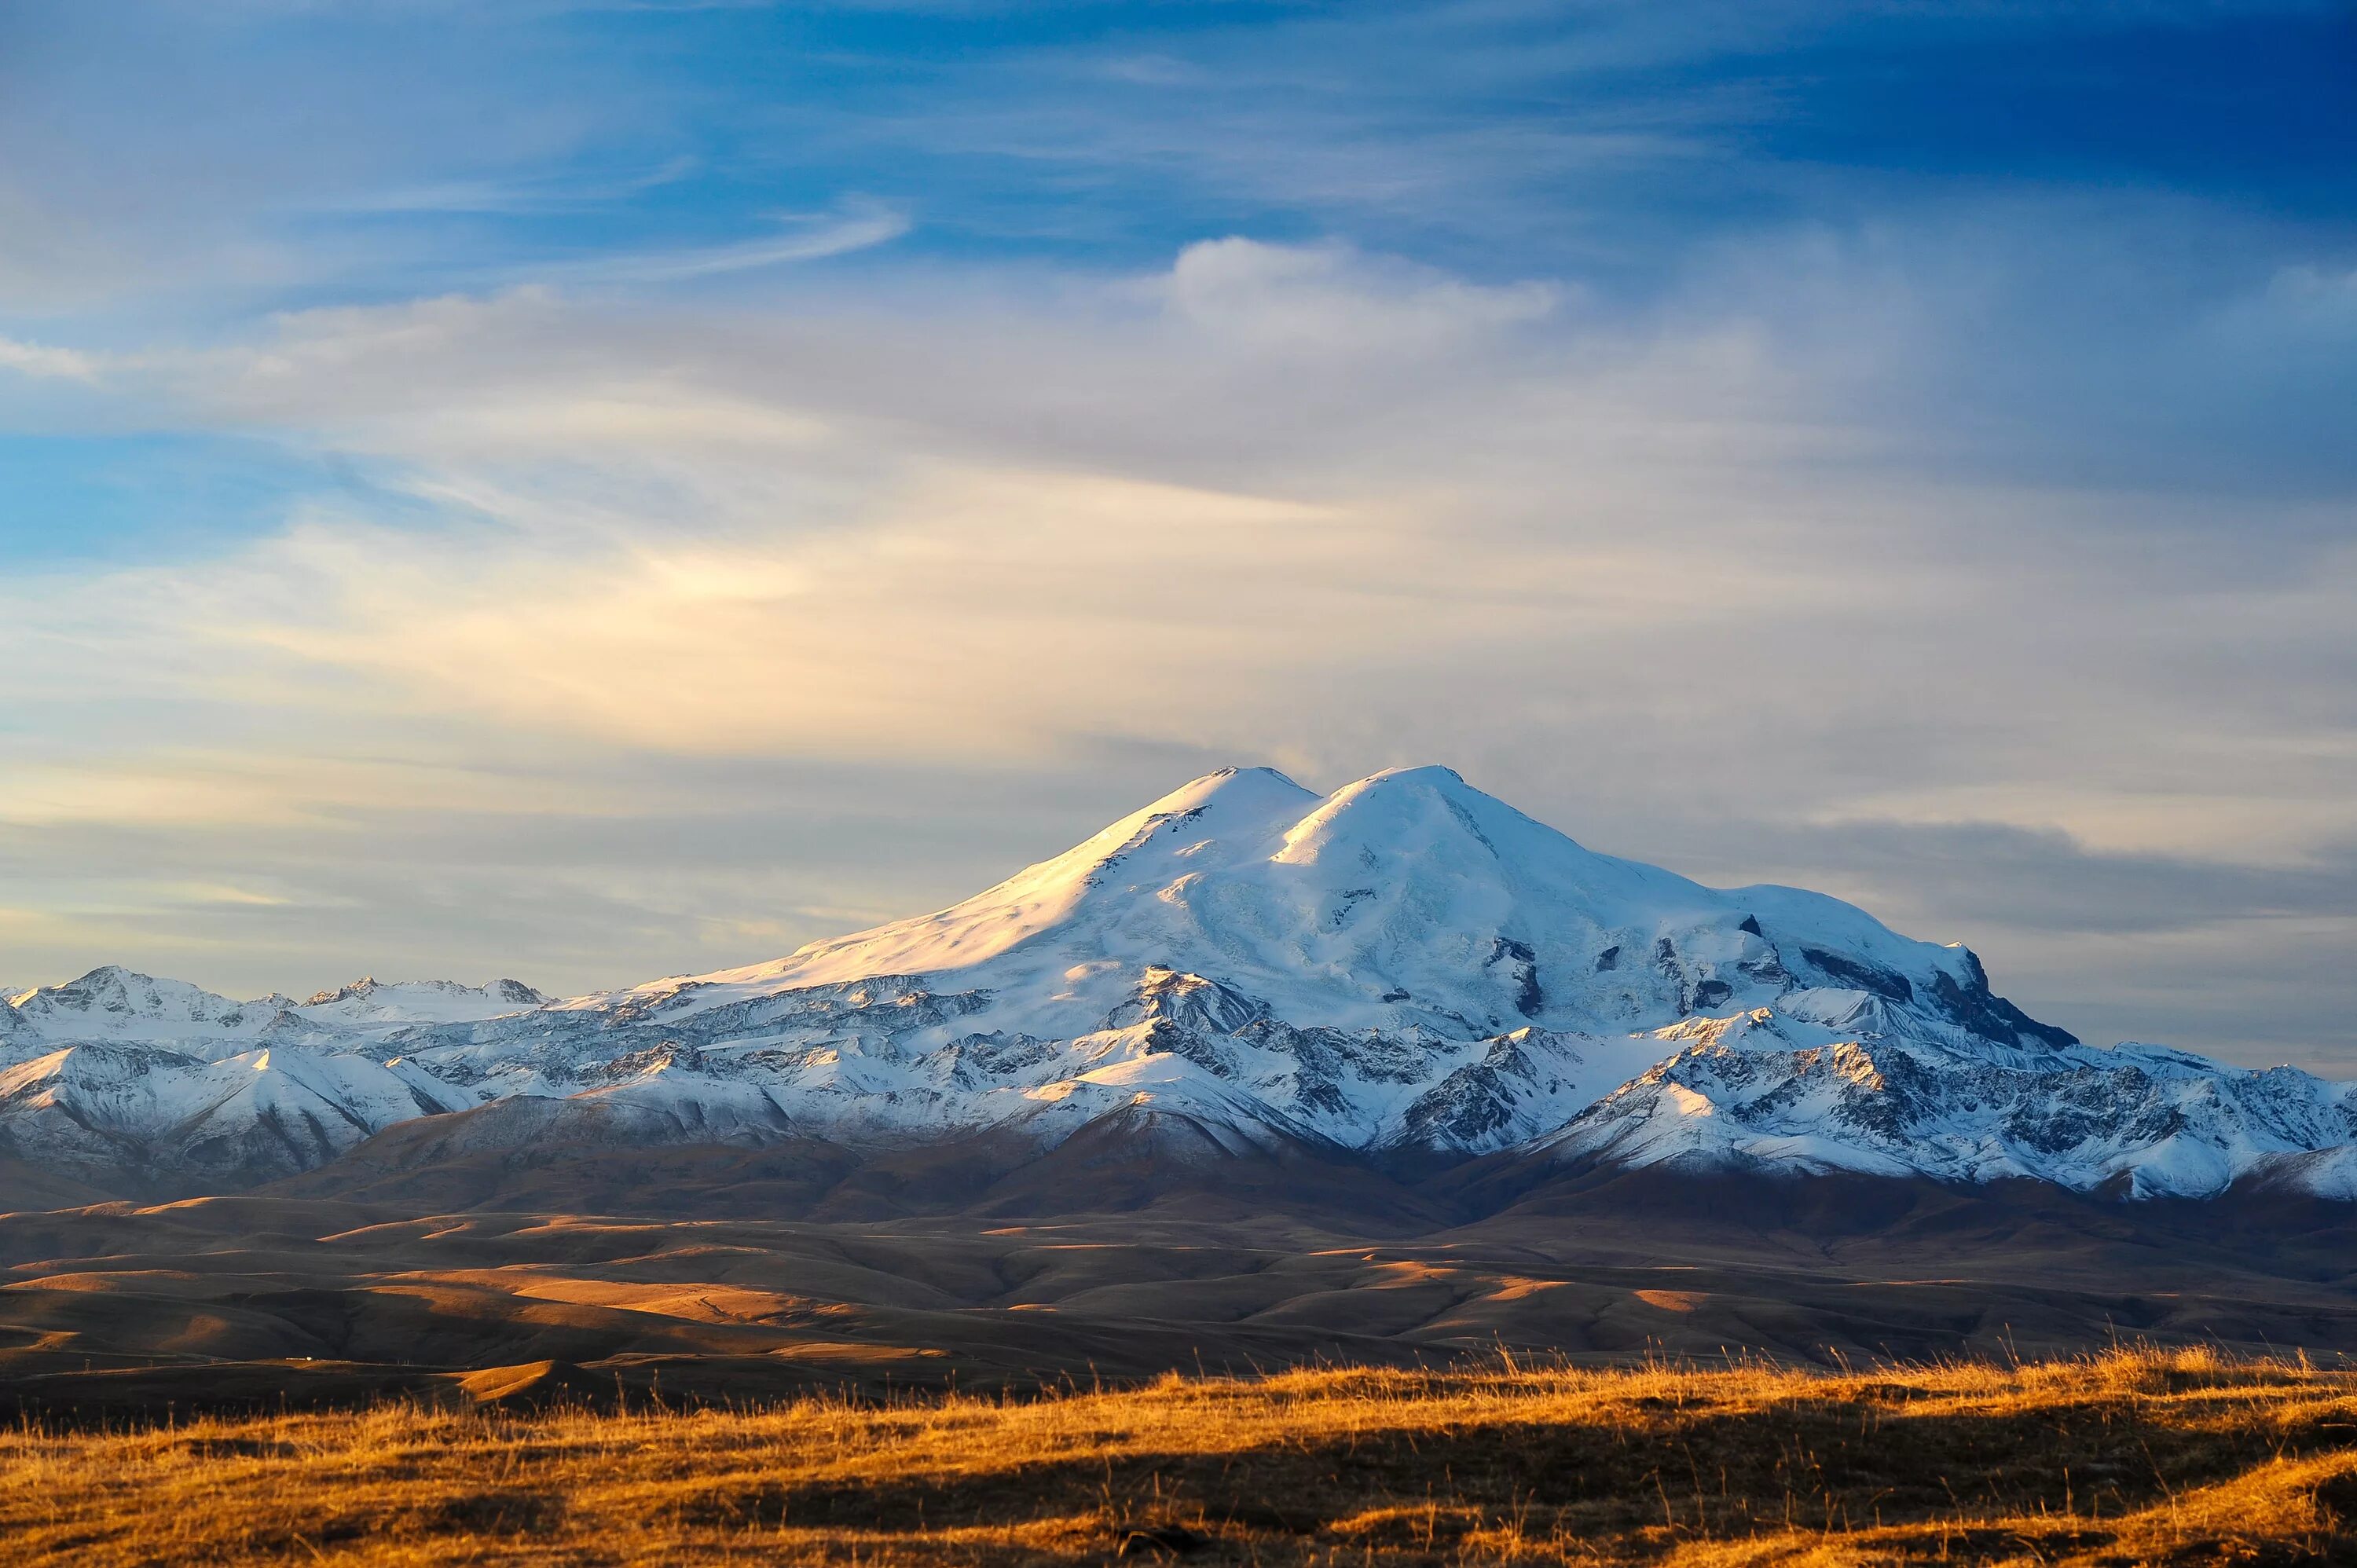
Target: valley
(120, 1311)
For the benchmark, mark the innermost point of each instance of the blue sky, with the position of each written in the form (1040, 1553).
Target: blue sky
(593, 490)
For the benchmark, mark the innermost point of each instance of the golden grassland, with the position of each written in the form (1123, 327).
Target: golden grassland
(2131, 1456)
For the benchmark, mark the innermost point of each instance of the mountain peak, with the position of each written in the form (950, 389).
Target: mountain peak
(1413, 811)
(117, 1002)
(1425, 774)
(1406, 899)
(1404, 962)
(1247, 786)
(113, 981)
(372, 1000)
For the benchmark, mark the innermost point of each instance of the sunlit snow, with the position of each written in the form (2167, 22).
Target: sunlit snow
(1406, 963)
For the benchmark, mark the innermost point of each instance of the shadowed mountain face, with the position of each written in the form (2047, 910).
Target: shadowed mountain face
(1352, 992)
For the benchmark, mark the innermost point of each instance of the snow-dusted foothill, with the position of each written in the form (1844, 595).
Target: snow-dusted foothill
(1404, 966)
(118, 1075)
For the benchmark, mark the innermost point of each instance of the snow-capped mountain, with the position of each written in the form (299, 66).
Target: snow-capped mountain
(1406, 966)
(122, 1074)
(369, 1003)
(117, 1005)
(114, 1004)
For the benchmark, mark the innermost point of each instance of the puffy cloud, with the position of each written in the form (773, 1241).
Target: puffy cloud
(33, 359)
(1332, 301)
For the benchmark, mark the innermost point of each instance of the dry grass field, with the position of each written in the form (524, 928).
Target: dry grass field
(2143, 1456)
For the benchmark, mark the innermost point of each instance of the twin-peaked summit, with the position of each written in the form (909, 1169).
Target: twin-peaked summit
(1406, 966)
(1407, 901)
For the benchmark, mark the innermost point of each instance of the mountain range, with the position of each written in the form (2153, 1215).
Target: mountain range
(1405, 975)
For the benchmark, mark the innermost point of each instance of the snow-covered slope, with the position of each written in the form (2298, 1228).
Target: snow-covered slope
(369, 1003)
(1406, 964)
(1407, 900)
(142, 1111)
(1782, 1089)
(119, 1075)
(112, 1003)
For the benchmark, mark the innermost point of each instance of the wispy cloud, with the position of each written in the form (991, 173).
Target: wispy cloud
(857, 225)
(542, 194)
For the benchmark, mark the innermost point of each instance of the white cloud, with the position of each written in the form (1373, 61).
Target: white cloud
(35, 360)
(1287, 503)
(1331, 299)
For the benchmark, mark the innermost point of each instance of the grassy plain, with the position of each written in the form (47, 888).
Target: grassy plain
(2133, 1457)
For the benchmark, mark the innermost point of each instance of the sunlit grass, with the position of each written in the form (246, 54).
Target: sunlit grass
(2124, 1457)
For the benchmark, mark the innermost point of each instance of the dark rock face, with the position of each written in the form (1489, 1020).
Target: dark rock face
(1187, 1017)
(1168, 998)
(1665, 960)
(1524, 970)
(1993, 1018)
(1469, 1104)
(1766, 969)
(1860, 975)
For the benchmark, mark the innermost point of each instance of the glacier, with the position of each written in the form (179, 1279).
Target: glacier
(1404, 969)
